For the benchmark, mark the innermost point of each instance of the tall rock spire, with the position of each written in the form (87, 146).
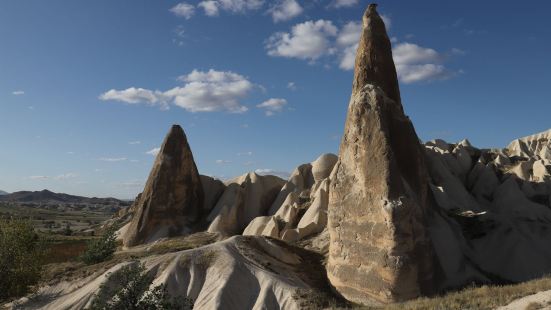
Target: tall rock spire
(379, 196)
(374, 63)
(172, 199)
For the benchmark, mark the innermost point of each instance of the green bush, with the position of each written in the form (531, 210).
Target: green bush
(128, 289)
(101, 249)
(21, 257)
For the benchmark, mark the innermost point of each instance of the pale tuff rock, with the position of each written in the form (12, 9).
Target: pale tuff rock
(244, 199)
(237, 273)
(300, 210)
(488, 222)
(172, 200)
(534, 146)
(379, 249)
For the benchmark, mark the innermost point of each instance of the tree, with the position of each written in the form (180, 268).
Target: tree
(128, 289)
(22, 254)
(101, 249)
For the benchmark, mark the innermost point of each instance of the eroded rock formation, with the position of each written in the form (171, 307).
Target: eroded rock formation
(379, 250)
(300, 209)
(172, 200)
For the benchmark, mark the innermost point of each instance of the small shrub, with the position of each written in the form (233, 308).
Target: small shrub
(101, 249)
(67, 231)
(128, 289)
(21, 257)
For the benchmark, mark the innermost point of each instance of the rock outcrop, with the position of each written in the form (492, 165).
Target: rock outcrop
(244, 199)
(379, 195)
(234, 274)
(494, 211)
(300, 209)
(173, 198)
(535, 146)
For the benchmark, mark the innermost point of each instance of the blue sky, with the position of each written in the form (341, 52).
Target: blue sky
(88, 88)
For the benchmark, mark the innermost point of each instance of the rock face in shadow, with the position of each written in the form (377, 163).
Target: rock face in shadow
(173, 198)
(379, 192)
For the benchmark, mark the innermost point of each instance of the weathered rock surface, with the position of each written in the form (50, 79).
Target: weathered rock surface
(379, 249)
(244, 199)
(536, 146)
(300, 209)
(237, 273)
(172, 200)
(490, 220)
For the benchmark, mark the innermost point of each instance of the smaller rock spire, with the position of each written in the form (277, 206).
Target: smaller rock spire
(374, 63)
(171, 202)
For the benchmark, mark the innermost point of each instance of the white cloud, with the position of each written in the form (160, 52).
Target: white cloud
(131, 184)
(210, 7)
(348, 57)
(282, 174)
(154, 151)
(222, 161)
(292, 86)
(285, 10)
(134, 142)
(349, 34)
(312, 40)
(344, 3)
(111, 159)
(272, 105)
(183, 9)
(203, 91)
(409, 53)
(386, 19)
(135, 95)
(18, 93)
(60, 177)
(66, 176)
(309, 40)
(415, 73)
(347, 40)
(245, 153)
(415, 63)
(211, 91)
(213, 7)
(240, 6)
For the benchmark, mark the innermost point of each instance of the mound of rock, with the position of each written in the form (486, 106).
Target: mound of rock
(494, 211)
(172, 200)
(237, 273)
(243, 199)
(300, 209)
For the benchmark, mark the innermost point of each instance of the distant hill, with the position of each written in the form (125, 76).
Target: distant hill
(48, 197)
(2, 193)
